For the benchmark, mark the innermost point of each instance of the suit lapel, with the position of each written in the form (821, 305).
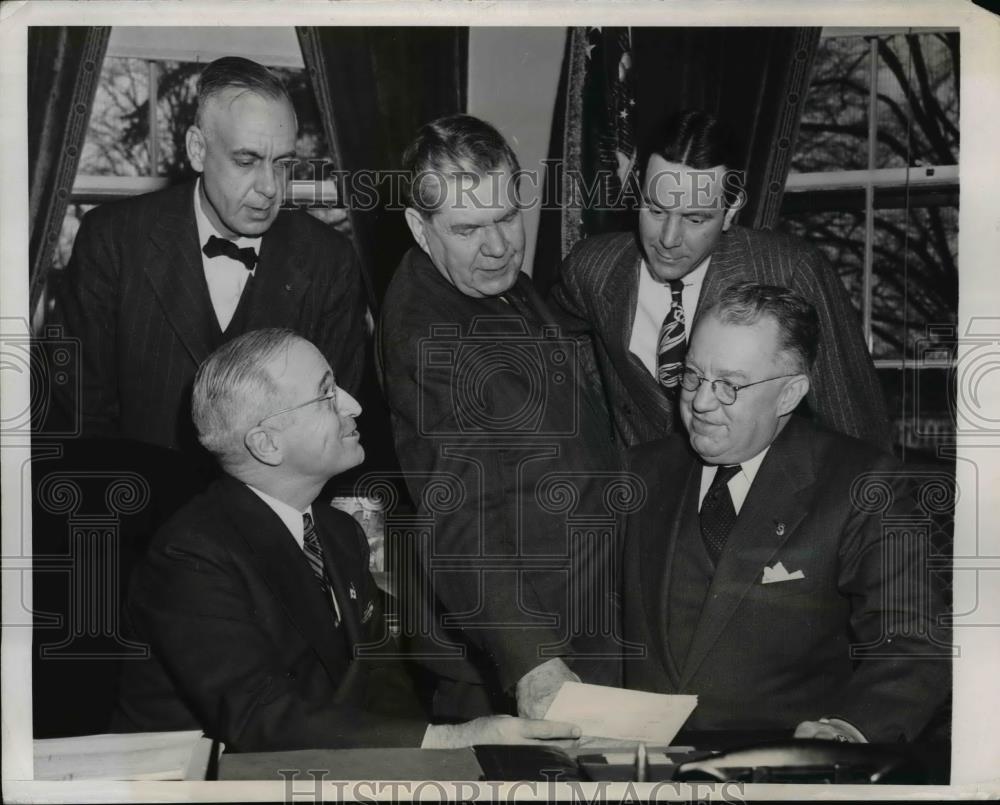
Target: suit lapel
(285, 570)
(277, 293)
(659, 532)
(773, 510)
(623, 284)
(337, 548)
(175, 270)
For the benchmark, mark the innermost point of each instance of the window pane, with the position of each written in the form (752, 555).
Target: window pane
(177, 98)
(834, 129)
(116, 144)
(840, 235)
(915, 277)
(920, 410)
(917, 100)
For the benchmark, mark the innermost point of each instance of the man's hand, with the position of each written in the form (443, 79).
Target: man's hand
(830, 729)
(498, 730)
(537, 688)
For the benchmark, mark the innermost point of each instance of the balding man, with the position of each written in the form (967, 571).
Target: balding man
(263, 620)
(158, 281)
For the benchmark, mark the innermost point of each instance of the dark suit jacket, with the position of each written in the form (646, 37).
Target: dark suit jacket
(135, 295)
(243, 643)
(599, 282)
(767, 656)
(505, 442)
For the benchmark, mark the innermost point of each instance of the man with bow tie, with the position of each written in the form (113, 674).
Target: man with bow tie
(158, 281)
(764, 574)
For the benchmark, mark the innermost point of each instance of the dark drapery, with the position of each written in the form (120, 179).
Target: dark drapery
(375, 87)
(64, 65)
(754, 79)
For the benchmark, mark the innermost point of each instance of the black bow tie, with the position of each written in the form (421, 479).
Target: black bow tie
(220, 246)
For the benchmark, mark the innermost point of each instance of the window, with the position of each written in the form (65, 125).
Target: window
(874, 185)
(133, 146)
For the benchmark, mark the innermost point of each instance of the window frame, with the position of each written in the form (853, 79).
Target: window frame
(942, 177)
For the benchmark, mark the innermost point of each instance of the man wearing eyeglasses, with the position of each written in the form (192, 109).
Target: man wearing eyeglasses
(756, 576)
(639, 292)
(262, 618)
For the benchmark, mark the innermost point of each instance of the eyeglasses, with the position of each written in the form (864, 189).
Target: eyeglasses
(725, 392)
(325, 397)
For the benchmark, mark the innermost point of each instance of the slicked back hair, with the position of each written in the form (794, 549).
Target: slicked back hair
(697, 139)
(236, 72)
(798, 323)
(233, 389)
(452, 145)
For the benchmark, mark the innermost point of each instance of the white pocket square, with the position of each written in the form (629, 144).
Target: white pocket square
(779, 573)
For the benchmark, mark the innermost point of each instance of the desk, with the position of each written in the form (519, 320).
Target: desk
(925, 764)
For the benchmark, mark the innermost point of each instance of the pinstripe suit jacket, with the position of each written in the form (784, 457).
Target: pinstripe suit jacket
(599, 282)
(135, 295)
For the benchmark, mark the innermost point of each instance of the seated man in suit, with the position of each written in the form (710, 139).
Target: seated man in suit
(755, 578)
(640, 292)
(493, 399)
(261, 615)
(158, 281)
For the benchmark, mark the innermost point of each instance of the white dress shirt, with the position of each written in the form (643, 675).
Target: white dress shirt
(652, 304)
(739, 485)
(293, 522)
(225, 276)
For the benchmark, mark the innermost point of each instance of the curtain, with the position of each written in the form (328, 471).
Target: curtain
(64, 65)
(374, 88)
(754, 79)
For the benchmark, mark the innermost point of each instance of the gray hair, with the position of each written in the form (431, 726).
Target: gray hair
(798, 323)
(233, 389)
(232, 72)
(456, 144)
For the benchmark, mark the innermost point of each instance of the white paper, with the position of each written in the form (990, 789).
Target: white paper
(635, 715)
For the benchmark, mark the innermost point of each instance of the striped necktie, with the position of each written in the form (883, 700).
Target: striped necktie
(314, 555)
(671, 346)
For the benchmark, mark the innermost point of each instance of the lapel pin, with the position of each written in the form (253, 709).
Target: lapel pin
(353, 592)
(780, 529)
(288, 286)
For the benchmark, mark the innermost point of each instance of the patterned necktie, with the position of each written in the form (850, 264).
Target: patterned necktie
(314, 554)
(718, 514)
(671, 346)
(220, 246)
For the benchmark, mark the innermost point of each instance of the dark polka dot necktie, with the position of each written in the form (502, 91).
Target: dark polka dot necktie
(718, 514)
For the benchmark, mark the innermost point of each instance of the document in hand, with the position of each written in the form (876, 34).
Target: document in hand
(603, 712)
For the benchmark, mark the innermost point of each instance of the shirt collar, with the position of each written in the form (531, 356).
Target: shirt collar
(206, 229)
(289, 515)
(696, 277)
(752, 465)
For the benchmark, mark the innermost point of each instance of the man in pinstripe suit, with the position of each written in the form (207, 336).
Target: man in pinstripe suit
(620, 284)
(158, 281)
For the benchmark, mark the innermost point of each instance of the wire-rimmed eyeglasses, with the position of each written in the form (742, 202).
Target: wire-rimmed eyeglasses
(724, 391)
(324, 397)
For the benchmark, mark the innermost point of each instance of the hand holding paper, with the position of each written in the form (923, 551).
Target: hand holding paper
(633, 715)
